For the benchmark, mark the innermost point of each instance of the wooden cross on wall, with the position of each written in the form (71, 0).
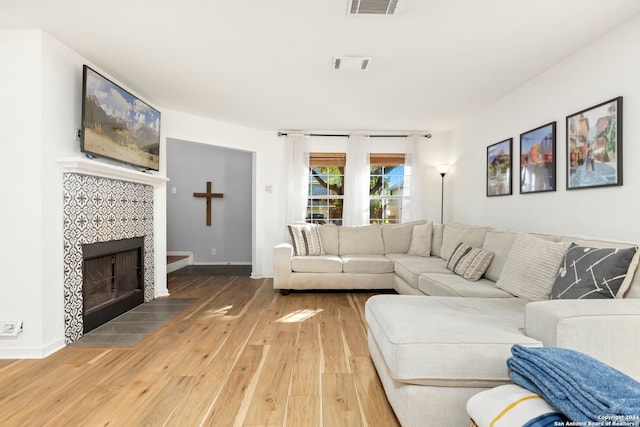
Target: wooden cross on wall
(209, 195)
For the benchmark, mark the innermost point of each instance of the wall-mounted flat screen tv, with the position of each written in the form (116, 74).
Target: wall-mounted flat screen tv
(118, 125)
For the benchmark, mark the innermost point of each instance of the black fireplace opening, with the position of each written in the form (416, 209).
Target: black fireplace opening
(113, 279)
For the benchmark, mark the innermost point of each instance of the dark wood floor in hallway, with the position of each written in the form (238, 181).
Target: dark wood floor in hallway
(241, 355)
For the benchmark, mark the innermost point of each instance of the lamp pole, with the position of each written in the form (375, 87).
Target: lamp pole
(442, 174)
(443, 171)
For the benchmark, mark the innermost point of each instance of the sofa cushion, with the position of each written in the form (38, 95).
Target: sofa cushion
(316, 264)
(366, 239)
(532, 266)
(592, 273)
(410, 267)
(469, 262)
(458, 342)
(421, 240)
(372, 264)
(436, 239)
(329, 238)
(456, 233)
(396, 257)
(305, 239)
(451, 285)
(498, 242)
(397, 238)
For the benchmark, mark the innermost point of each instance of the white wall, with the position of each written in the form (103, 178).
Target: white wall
(21, 215)
(40, 82)
(607, 68)
(40, 108)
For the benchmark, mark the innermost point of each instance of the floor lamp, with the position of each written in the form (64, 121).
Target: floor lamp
(443, 169)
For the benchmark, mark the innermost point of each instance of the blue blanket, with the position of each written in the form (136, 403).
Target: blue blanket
(581, 387)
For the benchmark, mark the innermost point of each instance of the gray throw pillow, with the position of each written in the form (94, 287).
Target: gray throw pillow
(591, 273)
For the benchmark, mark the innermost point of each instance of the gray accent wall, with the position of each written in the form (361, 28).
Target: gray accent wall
(189, 166)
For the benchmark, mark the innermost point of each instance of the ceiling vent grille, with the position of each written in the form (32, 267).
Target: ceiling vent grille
(351, 63)
(372, 7)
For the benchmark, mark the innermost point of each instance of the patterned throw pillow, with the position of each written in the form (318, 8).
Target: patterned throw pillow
(591, 273)
(469, 262)
(305, 239)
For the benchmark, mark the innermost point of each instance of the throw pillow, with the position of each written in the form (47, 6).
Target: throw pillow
(305, 239)
(329, 238)
(456, 233)
(469, 262)
(591, 273)
(436, 239)
(421, 240)
(498, 242)
(531, 267)
(397, 238)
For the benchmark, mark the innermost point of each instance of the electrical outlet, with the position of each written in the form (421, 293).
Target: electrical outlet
(10, 328)
(213, 251)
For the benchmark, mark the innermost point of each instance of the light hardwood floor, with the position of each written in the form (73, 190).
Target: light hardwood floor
(241, 355)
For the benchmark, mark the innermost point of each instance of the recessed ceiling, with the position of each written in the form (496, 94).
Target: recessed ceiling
(263, 64)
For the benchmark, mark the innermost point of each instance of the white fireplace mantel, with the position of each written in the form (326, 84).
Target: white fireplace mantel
(92, 167)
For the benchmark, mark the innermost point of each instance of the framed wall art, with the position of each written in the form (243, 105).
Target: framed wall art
(499, 168)
(594, 146)
(538, 159)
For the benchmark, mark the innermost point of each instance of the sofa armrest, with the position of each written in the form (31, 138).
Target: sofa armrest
(604, 329)
(282, 255)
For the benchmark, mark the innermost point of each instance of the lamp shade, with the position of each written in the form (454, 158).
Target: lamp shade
(443, 169)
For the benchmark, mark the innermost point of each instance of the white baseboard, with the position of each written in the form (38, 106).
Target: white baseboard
(224, 263)
(32, 352)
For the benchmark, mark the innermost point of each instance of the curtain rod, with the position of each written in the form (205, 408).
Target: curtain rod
(347, 135)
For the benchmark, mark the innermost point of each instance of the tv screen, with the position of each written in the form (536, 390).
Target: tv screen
(118, 125)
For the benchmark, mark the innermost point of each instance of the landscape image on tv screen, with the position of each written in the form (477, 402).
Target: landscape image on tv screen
(118, 125)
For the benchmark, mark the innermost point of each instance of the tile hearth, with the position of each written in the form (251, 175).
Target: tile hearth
(130, 328)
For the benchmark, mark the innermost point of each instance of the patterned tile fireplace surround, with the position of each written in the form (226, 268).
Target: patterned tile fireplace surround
(99, 209)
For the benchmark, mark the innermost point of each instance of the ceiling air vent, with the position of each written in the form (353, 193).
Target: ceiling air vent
(372, 7)
(351, 63)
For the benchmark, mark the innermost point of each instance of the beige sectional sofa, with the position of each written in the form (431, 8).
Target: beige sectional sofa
(446, 338)
(354, 258)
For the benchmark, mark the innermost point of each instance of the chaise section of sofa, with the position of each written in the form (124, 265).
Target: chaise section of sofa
(433, 353)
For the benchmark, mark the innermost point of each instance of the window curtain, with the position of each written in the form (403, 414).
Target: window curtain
(412, 208)
(356, 181)
(297, 176)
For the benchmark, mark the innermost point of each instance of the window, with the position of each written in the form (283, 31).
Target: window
(386, 189)
(326, 188)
